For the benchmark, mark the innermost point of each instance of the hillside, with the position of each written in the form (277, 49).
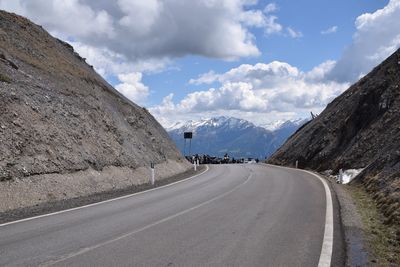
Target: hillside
(359, 129)
(237, 137)
(59, 117)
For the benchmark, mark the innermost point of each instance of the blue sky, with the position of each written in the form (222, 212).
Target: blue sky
(258, 60)
(310, 17)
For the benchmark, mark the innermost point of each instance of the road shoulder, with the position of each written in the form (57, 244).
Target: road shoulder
(378, 240)
(65, 204)
(356, 252)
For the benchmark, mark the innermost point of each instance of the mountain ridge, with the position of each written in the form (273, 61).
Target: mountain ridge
(237, 137)
(272, 126)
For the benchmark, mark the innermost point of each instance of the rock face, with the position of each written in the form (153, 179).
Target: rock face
(57, 115)
(359, 129)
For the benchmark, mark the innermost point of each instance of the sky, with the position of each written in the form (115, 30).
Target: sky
(261, 61)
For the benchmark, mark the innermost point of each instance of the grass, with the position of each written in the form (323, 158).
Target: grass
(382, 239)
(5, 78)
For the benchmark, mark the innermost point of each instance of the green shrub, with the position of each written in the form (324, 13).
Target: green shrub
(4, 78)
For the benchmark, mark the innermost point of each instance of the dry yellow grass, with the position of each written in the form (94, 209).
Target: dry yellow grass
(382, 239)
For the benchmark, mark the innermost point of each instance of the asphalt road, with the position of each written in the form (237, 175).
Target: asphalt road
(232, 215)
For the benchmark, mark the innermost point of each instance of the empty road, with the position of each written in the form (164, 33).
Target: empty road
(231, 215)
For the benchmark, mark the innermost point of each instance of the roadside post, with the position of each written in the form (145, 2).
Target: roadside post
(152, 179)
(341, 176)
(297, 164)
(194, 164)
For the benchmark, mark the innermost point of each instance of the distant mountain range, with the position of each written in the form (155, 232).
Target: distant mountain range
(237, 137)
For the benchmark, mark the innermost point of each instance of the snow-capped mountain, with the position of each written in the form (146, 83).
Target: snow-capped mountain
(275, 125)
(272, 126)
(237, 137)
(217, 122)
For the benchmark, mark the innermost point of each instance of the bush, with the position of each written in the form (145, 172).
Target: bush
(5, 78)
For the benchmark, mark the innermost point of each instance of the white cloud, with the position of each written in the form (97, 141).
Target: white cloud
(272, 73)
(108, 63)
(271, 26)
(132, 87)
(206, 78)
(277, 90)
(128, 38)
(270, 8)
(261, 90)
(113, 65)
(262, 19)
(319, 72)
(139, 16)
(71, 17)
(231, 96)
(377, 36)
(330, 30)
(217, 29)
(253, 18)
(134, 36)
(293, 33)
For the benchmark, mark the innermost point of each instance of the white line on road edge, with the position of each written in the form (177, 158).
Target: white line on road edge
(104, 201)
(327, 243)
(88, 249)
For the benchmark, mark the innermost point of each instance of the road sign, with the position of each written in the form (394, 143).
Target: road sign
(187, 135)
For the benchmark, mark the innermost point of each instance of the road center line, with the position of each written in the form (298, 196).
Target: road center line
(88, 249)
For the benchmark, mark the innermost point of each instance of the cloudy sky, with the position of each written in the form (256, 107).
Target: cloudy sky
(258, 60)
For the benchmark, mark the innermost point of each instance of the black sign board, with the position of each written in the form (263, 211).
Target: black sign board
(187, 135)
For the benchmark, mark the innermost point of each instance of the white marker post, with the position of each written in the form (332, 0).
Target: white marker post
(340, 176)
(152, 179)
(297, 164)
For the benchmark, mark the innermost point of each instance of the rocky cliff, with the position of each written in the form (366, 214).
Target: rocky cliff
(359, 129)
(58, 116)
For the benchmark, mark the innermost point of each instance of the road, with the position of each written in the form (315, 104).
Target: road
(231, 215)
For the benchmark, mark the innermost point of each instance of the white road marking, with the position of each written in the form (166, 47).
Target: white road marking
(87, 249)
(327, 243)
(104, 201)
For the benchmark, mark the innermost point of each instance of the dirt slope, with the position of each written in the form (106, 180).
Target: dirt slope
(58, 116)
(359, 129)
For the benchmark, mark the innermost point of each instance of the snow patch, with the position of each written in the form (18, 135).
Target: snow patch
(279, 124)
(349, 175)
(274, 125)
